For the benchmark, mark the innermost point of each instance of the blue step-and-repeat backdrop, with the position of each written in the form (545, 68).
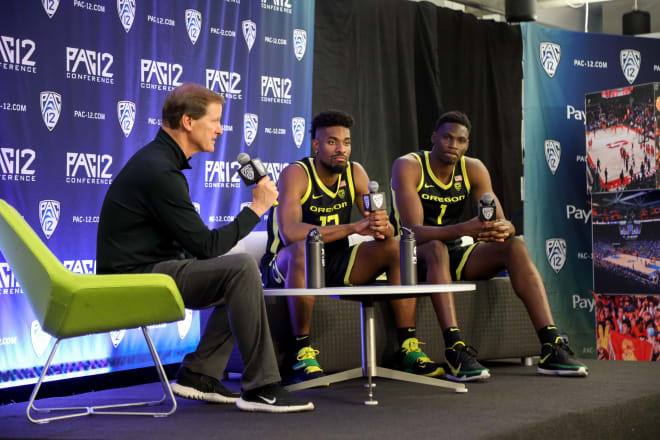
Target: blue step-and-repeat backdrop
(560, 68)
(82, 86)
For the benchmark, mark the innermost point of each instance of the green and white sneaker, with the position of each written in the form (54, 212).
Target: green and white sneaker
(462, 364)
(411, 359)
(557, 360)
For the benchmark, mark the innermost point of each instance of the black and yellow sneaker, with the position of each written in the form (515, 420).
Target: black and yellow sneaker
(462, 364)
(411, 359)
(306, 367)
(557, 360)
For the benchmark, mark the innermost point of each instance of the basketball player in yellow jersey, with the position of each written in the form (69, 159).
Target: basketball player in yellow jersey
(318, 192)
(430, 190)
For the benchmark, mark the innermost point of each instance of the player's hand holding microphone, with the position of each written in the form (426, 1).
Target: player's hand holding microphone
(265, 193)
(375, 204)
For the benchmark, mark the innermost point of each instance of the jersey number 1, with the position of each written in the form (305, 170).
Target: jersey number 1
(443, 208)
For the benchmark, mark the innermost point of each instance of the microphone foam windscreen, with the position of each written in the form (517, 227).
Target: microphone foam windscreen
(243, 158)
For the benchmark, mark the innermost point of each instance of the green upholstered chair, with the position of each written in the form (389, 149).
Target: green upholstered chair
(68, 305)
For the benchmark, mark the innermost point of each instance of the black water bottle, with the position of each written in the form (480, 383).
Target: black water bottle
(314, 260)
(408, 257)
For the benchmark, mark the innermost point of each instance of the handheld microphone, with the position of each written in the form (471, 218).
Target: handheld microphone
(374, 201)
(487, 208)
(251, 170)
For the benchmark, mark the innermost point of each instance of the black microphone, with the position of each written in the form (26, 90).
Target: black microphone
(251, 170)
(487, 208)
(374, 201)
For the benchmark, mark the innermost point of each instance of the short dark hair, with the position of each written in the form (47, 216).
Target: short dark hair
(331, 118)
(188, 99)
(453, 116)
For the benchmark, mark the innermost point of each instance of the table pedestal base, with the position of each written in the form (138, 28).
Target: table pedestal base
(369, 368)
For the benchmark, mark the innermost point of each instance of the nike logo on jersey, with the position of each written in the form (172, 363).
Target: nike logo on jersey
(428, 186)
(315, 196)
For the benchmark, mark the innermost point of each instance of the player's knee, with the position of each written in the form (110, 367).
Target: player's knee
(392, 248)
(436, 252)
(517, 248)
(297, 254)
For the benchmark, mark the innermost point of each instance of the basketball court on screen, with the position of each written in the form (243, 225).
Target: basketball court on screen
(615, 150)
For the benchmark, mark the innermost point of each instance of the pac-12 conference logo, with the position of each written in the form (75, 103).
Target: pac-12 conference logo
(250, 127)
(126, 115)
(126, 12)
(249, 33)
(184, 325)
(116, 336)
(555, 252)
(552, 154)
(298, 130)
(40, 339)
(299, 43)
(631, 61)
(49, 216)
(193, 24)
(549, 53)
(51, 107)
(50, 6)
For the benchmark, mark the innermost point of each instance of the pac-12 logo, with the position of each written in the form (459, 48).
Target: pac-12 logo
(275, 89)
(184, 325)
(116, 336)
(298, 130)
(226, 83)
(40, 339)
(17, 161)
(126, 115)
(299, 43)
(555, 252)
(51, 107)
(50, 6)
(126, 12)
(549, 53)
(159, 75)
(193, 24)
(250, 127)
(18, 52)
(631, 61)
(249, 33)
(94, 166)
(96, 64)
(552, 154)
(49, 216)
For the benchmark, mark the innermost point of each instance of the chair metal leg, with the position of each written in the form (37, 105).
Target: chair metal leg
(103, 409)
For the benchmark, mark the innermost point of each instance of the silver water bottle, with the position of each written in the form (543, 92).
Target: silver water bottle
(314, 260)
(408, 257)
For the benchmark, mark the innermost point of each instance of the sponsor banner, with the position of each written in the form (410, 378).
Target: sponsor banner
(88, 80)
(561, 67)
